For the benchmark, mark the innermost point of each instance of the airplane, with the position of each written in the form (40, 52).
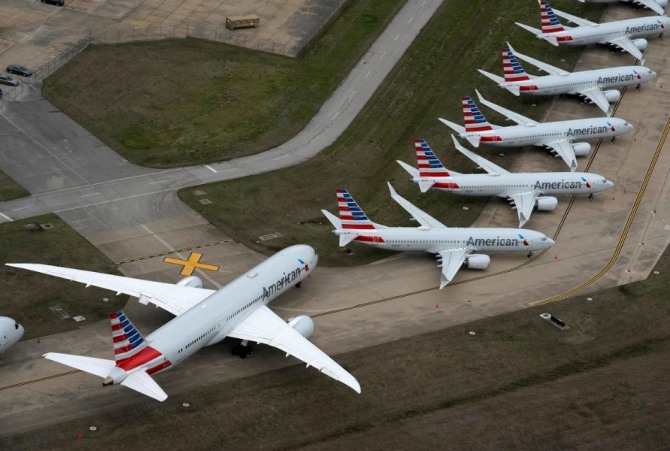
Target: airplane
(525, 191)
(453, 246)
(588, 84)
(618, 33)
(557, 136)
(658, 6)
(203, 318)
(10, 333)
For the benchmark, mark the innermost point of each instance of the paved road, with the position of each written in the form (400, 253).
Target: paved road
(70, 172)
(358, 307)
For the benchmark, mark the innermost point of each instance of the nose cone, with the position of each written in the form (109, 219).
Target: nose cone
(546, 242)
(19, 332)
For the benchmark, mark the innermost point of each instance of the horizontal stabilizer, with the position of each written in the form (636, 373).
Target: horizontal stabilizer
(514, 89)
(92, 365)
(348, 238)
(497, 79)
(551, 40)
(414, 172)
(455, 127)
(474, 139)
(535, 31)
(334, 220)
(141, 382)
(425, 185)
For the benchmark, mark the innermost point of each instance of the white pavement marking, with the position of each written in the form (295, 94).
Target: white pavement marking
(21, 208)
(396, 38)
(410, 20)
(368, 74)
(211, 168)
(335, 115)
(92, 194)
(6, 217)
(159, 181)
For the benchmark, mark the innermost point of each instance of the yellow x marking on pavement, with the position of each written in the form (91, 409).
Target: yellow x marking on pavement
(190, 264)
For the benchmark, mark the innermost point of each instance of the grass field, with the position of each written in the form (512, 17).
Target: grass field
(187, 101)
(518, 383)
(160, 121)
(9, 189)
(27, 296)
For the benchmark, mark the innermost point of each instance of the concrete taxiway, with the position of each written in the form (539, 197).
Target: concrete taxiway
(613, 239)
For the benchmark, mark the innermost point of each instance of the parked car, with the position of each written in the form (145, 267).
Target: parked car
(19, 70)
(8, 80)
(54, 2)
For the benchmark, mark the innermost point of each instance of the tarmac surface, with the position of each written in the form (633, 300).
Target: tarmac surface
(612, 240)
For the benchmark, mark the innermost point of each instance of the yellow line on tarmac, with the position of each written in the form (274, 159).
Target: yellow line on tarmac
(626, 229)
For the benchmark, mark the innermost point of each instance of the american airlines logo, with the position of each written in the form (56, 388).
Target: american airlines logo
(641, 28)
(618, 78)
(492, 241)
(287, 280)
(557, 185)
(588, 131)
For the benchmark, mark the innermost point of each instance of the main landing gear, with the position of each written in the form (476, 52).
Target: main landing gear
(530, 254)
(242, 349)
(638, 87)
(613, 139)
(591, 196)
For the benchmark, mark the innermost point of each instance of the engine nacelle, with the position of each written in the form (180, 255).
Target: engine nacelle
(477, 261)
(192, 281)
(547, 203)
(612, 95)
(581, 149)
(641, 44)
(303, 324)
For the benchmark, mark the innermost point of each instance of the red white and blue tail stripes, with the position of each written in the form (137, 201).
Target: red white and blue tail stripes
(512, 68)
(473, 119)
(352, 216)
(429, 164)
(127, 339)
(550, 22)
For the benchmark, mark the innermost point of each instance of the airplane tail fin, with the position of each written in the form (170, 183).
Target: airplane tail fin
(511, 67)
(353, 219)
(549, 19)
(429, 164)
(127, 339)
(473, 119)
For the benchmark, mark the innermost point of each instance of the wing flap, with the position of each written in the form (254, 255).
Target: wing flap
(524, 203)
(564, 149)
(452, 260)
(173, 298)
(263, 326)
(596, 95)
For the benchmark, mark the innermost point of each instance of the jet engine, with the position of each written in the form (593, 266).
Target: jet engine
(581, 149)
(303, 324)
(477, 261)
(192, 281)
(641, 44)
(547, 203)
(612, 95)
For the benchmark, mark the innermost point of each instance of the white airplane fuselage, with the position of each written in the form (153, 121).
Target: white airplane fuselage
(553, 183)
(574, 82)
(631, 28)
(10, 333)
(435, 239)
(210, 321)
(541, 133)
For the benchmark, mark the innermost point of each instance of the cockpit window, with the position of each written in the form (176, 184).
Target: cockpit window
(16, 326)
(544, 238)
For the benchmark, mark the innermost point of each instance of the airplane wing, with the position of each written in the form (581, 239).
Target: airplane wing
(173, 298)
(491, 168)
(574, 19)
(564, 149)
(516, 117)
(548, 68)
(596, 95)
(263, 326)
(452, 260)
(651, 4)
(524, 203)
(624, 43)
(421, 216)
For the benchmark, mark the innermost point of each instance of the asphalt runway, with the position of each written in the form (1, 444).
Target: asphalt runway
(614, 239)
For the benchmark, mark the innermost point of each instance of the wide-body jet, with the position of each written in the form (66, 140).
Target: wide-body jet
(203, 318)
